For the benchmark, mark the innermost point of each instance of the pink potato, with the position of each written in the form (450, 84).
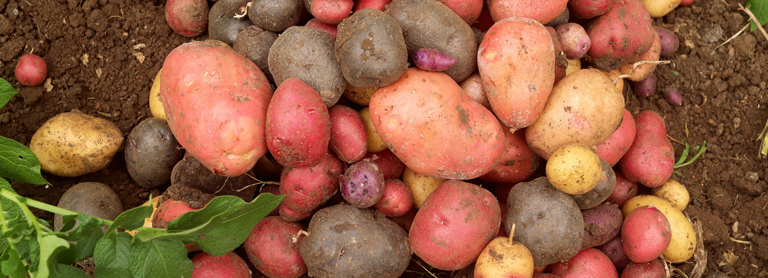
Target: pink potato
(454, 138)
(601, 224)
(454, 225)
(397, 199)
(613, 148)
(645, 234)
(645, 87)
(586, 9)
(651, 159)
(298, 126)
(619, 36)
(306, 188)
(329, 11)
(588, 263)
(518, 162)
(541, 11)
(370, 4)
(468, 10)
(348, 138)
(227, 266)
(432, 59)
(668, 41)
(625, 190)
(188, 18)
(615, 251)
(328, 28)
(652, 269)
(390, 165)
(517, 93)
(273, 248)
(31, 70)
(216, 102)
(574, 40)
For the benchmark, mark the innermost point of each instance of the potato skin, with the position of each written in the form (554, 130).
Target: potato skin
(306, 188)
(454, 224)
(585, 107)
(73, 144)
(229, 265)
(517, 93)
(574, 169)
(645, 234)
(151, 151)
(674, 192)
(275, 15)
(188, 18)
(683, 243)
(619, 36)
(271, 249)
(601, 224)
(651, 158)
(613, 148)
(155, 105)
(348, 136)
(458, 137)
(89, 198)
(222, 24)
(30, 70)
(421, 186)
(517, 163)
(643, 71)
(216, 104)
(503, 257)
(589, 262)
(541, 11)
(430, 24)
(602, 190)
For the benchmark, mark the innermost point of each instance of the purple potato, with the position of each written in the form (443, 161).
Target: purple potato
(669, 41)
(673, 96)
(645, 87)
(601, 224)
(615, 251)
(432, 59)
(362, 184)
(574, 40)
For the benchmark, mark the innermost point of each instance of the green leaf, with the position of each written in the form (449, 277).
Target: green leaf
(19, 163)
(113, 256)
(130, 219)
(68, 271)
(83, 239)
(160, 259)
(10, 264)
(8, 206)
(6, 92)
(759, 8)
(50, 247)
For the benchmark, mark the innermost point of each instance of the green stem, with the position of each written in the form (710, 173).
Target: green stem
(31, 219)
(46, 207)
(701, 151)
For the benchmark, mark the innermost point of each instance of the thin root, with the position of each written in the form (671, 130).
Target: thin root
(732, 37)
(244, 10)
(295, 238)
(757, 22)
(425, 269)
(705, 98)
(675, 140)
(740, 241)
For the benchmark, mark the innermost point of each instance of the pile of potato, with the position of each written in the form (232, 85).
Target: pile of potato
(505, 146)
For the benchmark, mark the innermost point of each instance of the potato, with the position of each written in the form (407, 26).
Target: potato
(362, 184)
(660, 8)
(541, 11)
(273, 248)
(229, 265)
(601, 224)
(155, 105)
(275, 15)
(668, 41)
(615, 251)
(89, 198)
(454, 224)
(589, 262)
(613, 148)
(298, 127)
(73, 144)
(397, 199)
(585, 107)
(390, 165)
(329, 11)
(345, 241)
(547, 221)
(602, 190)
(307, 53)
(306, 188)
(574, 169)
(168, 210)
(421, 185)
(375, 143)
(348, 135)
(651, 159)
(561, 62)
(683, 243)
(30, 70)
(359, 95)
(574, 40)
(625, 190)
(223, 24)
(654, 268)
(517, 94)
(645, 234)
(432, 59)
(454, 138)
(190, 172)
(503, 257)
(151, 151)
(370, 4)
(474, 87)
(619, 36)
(255, 43)
(573, 66)
(216, 104)
(643, 71)
(645, 87)
(674, 192)
(188, 18)
(613, 75)
(370, 49)
(430, 24)
(586, 9)
(517, 163)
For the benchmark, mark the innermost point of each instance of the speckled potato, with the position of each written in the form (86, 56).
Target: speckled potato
(73, 144)
(675, 193)
(683, 243)
(357, 95)
(504, 257)
(574, 169)
(155, 104)
(421, 185)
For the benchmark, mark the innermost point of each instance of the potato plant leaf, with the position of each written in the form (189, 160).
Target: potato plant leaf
(130, 219)
(10, 264)
(113, 255)
(160, 259)
(83, 238)
(19, 163)
(759, 8)
(50, 246)
(6, 92)
(68, 271)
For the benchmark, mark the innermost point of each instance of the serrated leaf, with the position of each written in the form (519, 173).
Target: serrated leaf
(83, 239)
(160, 259)
(10, 265)
(759, 9)
(113, 255)
(130, 219)
(68, 271)
(19, 163)
(6, 92)
(50, 246)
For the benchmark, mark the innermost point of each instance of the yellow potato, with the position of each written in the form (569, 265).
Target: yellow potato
(148, 220)
(73, 144)
(375, 143)
(155, 105)
(683, 243)
(421, 185)
(613, 75)
(574, 169)
(504, 258)
(660, 8)
(357, 95)
(675, 193)
(573, 65)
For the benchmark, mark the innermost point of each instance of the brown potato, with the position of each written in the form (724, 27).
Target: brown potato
(223, 23)
(275, 15)
(151, 151)
(255, 43)
(92, 199)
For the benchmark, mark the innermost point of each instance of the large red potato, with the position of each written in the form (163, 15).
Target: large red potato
(516, 61)
(188, 18)
(436, 129)
(619, 36)
(306, 188)
(273, 248)
(651, 159)
(613, 148)
(454, 224)
(518, 162)
(588, 263)
(216, 101)
(229, 266)
(541, 11)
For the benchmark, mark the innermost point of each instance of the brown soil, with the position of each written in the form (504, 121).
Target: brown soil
(102, 56)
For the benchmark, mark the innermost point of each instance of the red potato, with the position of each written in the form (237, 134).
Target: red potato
(517, 94)
(397, 199)
(328, 28)
(652, 269)
(216, 102)
(473, 86)
(620, 36)
(169, 210)
(454, 224)
(188, 18)
(643, 71)
(227, 266)
(31, 70)
(613, 148)
(561, 62)
(686, 2)
(390, 165)
(588, 263)
(651, 158)
(291, 215)
(615, 251)
(518, 162)
(625, 190)
(273, 248)
(541, 11)
(348, 138)
(574, 40)
(370, 4)
(586, 9)
(406, 220)
(645, 234)
(601, 224)
(298, 126)
(306, 188)
(431, 59)
(362, 184)
(459, 138)
(468, 10)
(329, 11)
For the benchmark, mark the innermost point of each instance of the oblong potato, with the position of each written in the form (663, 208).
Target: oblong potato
(683, 243)
(435, 128)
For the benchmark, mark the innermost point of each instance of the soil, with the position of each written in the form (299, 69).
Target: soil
(103, 55)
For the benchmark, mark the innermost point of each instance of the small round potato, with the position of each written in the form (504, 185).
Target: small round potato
(375, 143)
(73, 144)
(421, 185)
(92, 199)
(155, 104)
(674, 192)
(151, 151)
(574, 169)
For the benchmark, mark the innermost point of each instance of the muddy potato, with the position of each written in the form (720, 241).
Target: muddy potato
(151, 151)
(674, 192)
(190, 172)
(223, 24)
(574, 169)
(89, 198)
(73, 144)
(255, 43)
